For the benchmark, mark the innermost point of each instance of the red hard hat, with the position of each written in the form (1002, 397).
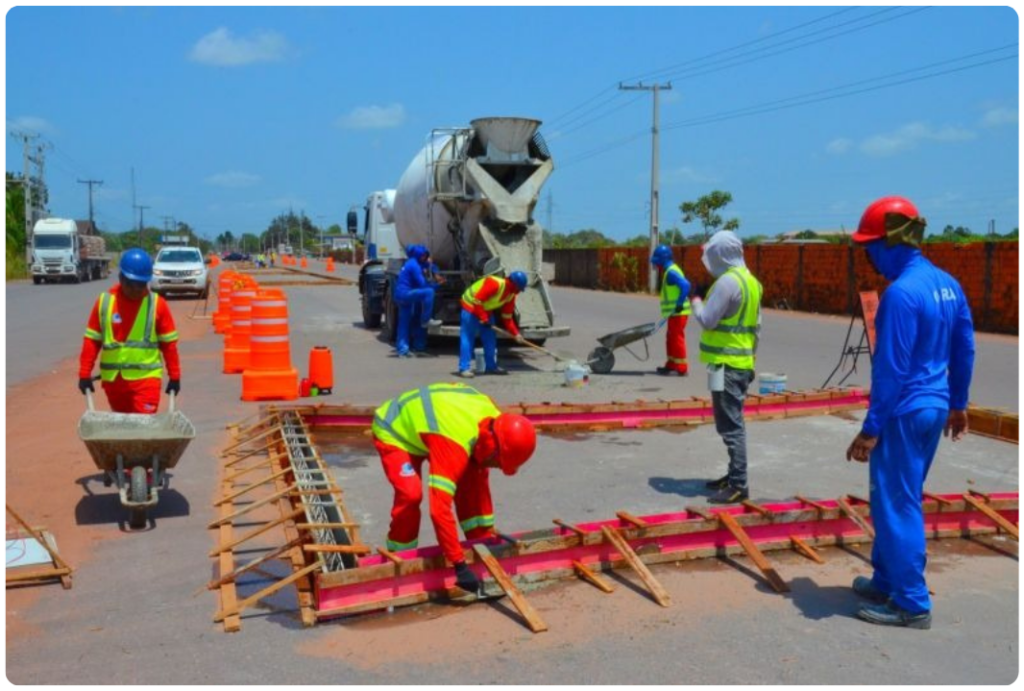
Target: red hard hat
(516, 441)
(872, 223)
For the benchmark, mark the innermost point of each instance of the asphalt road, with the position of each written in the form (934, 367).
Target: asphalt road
(138, 612)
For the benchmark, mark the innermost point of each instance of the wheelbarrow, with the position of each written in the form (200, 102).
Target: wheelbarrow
(133, 451)
(602, 359)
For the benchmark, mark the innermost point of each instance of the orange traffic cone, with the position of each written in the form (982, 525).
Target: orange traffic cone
(321, 369)
(236, 345)
(222, 317)
(270, 375)
(304, 264)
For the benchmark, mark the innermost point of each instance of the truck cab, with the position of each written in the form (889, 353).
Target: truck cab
(382, 248)
(60, 252)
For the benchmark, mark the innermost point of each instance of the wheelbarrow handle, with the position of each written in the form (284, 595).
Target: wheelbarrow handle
(172, 396)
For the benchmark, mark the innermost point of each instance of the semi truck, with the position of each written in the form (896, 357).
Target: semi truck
(64, 249)
(468, 196)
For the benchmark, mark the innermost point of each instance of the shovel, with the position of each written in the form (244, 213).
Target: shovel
(532, 345)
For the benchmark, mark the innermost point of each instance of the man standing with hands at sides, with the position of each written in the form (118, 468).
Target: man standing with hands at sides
(731, 323)
(675, 309)
(920, 378)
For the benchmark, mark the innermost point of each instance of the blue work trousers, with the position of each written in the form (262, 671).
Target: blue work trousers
(414, 308)
(470, 328)
(898, 468)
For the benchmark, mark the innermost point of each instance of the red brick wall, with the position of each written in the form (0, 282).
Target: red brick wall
(815, 277)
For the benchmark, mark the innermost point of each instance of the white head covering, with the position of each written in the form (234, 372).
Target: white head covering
(722, 252)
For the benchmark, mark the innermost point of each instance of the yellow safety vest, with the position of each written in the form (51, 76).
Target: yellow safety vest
(502, 297)
(139, 356)
(450, 410)
(733, 341)
(670, 294)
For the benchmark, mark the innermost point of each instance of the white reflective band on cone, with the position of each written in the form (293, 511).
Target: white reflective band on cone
(282, 320)
(268, 339)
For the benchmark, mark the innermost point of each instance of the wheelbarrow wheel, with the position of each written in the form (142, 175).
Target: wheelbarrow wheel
(138, 492)
(601, 360)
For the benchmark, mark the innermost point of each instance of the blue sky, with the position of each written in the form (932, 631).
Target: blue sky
(231, 116)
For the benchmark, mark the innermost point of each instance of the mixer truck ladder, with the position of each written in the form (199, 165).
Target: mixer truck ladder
(437, 167)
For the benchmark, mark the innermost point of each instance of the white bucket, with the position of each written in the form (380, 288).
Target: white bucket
(576, 375)
(772, 383)
(478, 359)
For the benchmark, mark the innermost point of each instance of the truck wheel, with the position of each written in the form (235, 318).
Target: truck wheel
(37, 280)
(370, 319)
(390, 318)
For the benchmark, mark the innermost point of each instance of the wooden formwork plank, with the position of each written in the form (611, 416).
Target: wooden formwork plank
(265, 464)
(226, 564)
(338, 549)
(767, 513)
(991, 513)
(38, 537)
(816, 505)
(659, 593)
(533, 619)
(729, 523)
(251, 452)
(590, 576)
(232, 447)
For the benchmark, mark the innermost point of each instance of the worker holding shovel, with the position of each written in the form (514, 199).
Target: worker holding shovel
(675, 310)
(479, 303)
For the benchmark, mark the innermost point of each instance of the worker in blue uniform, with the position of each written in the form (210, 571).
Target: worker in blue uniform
(414, 295)
(920, 378)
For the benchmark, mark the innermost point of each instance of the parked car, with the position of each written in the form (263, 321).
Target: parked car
(179, 270)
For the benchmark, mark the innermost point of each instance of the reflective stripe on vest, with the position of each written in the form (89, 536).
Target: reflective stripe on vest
(733, 341)
(502, 297)
(670, 294)
(139, 356)
(453, 411)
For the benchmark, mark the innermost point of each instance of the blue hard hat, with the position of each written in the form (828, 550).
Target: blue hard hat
(136, 265)
(662, 255)
(414, 251)
(519, 279)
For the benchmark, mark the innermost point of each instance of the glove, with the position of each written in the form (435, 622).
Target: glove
(173, 386)
(466, 579)
(700, 292)
(85, 384)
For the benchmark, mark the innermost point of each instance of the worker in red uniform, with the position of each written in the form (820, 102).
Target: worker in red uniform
(130, 329)
(462, 434)
(481, 300)
(675, 310)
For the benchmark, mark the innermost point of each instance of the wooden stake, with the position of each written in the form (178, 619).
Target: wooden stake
(561, 524)
(249, 488)
(767, 513)
(627, 517)
(324, 526)
(697, 511)
(249, 440)
(533, 619)
(338, 549)
(813, 504)
(805, 549)
(730, 524)
(255, 505)
(941, 501)
(233, 576)
(657, 591)
(250, 452)
(586, 574)
(262, 464)
(258, 531)
(996, 518)
(221, 615)
(848, 511)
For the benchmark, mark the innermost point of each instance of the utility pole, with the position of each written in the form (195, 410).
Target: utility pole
(26, 184)
(652, 283)
(320, 218)
(141, 209)
(90, 183)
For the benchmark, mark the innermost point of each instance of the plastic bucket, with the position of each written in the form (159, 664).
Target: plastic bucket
(576, 375)
(772, 383)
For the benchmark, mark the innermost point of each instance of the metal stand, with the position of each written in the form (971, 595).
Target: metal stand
(866, 342)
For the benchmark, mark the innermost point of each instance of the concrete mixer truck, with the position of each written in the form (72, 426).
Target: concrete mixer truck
(468, 196)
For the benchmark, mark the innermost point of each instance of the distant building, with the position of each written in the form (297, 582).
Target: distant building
(339, 242)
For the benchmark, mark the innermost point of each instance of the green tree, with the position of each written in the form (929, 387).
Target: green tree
(638, 241)
(705, 210)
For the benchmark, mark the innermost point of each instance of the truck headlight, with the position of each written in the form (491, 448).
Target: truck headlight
(158, 272)
(196, 272)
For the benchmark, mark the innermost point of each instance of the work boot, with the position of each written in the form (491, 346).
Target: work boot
(720, 483)
(432, 323)
(863, 586)
(405, 355)
(497, 370)
(729, 495)
(890, 614)
(666, 372)
(467, 374)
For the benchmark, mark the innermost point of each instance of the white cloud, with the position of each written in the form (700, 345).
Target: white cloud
(30, 124)
(684, 174)
(233, 179)
(909, 136)
(373, 117)
(839, 146)
(999, 116)
(221, 48)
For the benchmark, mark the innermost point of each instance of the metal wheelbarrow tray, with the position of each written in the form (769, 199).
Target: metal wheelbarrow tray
(133, 451)
(602, 360)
